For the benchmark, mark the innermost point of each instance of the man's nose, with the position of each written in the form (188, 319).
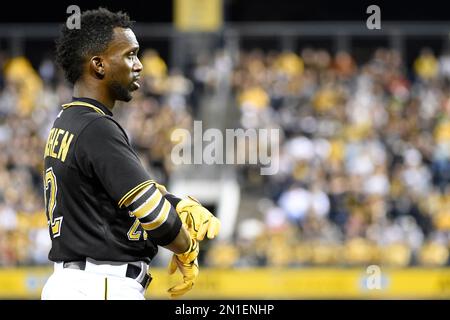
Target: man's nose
(137, 66)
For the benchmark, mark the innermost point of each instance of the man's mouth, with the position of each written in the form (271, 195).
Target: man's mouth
(136, 83)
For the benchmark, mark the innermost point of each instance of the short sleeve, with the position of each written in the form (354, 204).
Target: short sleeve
(103, 150)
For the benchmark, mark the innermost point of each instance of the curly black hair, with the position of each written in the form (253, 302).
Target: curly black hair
(76, 46)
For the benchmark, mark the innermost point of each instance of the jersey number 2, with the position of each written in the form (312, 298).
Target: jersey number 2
(133, 234)
(50, 191)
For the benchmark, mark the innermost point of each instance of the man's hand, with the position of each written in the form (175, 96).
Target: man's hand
(198, 220)
(188, 265)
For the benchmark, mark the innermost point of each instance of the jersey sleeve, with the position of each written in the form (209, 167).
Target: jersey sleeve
(156, 215)
(103, 151)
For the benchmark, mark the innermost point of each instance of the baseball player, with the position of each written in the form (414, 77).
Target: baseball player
(106, 215)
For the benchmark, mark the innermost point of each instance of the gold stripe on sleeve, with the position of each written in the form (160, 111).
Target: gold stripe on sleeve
(149, 205)
(133, 191)
(160, 219)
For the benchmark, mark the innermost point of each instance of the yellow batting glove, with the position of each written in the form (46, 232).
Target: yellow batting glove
(188, 264)
(198, 220)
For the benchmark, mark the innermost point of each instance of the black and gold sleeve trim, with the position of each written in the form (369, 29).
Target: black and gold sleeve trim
(133, 191)
(156, 215)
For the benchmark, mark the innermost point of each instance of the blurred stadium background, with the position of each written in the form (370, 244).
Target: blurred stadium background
(364, 155)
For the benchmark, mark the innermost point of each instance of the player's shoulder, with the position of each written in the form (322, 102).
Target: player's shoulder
(92, 123)
(99, 125)
(78, 114)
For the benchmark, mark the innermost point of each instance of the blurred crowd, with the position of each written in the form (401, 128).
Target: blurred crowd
(364, 156)
(364, 160)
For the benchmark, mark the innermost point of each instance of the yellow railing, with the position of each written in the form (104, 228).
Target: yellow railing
(269, 283)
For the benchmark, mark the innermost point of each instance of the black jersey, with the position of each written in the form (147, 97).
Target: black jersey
(90, 170)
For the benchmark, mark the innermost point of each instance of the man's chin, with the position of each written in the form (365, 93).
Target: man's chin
(123, 93)
(126, 99)
(125, 96)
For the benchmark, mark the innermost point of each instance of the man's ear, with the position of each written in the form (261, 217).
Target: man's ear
(97, 65)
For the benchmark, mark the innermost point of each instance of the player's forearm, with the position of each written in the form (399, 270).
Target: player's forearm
(181, 242)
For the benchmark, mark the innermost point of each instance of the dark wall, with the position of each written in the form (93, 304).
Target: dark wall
(235, 10)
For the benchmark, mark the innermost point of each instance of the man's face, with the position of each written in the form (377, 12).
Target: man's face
(123, 65)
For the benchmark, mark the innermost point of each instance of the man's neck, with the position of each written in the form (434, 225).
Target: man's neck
(82, 90)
